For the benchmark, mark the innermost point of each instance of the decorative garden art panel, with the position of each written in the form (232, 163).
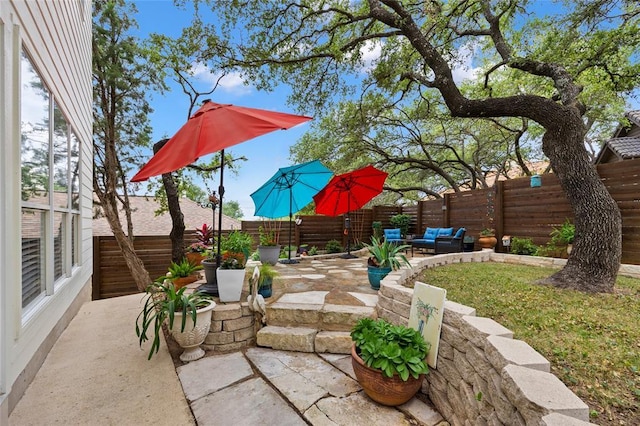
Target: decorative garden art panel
(427, 308)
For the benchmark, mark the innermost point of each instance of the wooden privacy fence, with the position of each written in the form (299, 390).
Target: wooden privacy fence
(511, 207)
(111, 276)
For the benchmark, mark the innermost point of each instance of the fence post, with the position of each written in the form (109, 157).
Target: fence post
(445, 210)
(96, 280)
(419, 227)
(498, 213)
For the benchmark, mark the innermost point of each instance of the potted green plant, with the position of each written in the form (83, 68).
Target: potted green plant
(209, 265)
(230, 275)
(268, 249)
(188, 317)
(487, 238)
(401, 221)
(265, 280)
(384, 257)
(183, 273)
(388, 360)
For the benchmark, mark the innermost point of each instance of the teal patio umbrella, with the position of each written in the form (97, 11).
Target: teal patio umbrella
(289, 190)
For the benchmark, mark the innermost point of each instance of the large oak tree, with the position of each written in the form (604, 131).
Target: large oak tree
(554, 58)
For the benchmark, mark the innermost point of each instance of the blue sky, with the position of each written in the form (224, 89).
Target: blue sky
(265, 154)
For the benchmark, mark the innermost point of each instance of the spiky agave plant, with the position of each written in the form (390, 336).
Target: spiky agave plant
(385, 254)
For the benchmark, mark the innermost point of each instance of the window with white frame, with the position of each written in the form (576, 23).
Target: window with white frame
(50, 188)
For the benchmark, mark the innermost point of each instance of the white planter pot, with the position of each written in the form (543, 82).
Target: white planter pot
(230, 282)
(194, 333)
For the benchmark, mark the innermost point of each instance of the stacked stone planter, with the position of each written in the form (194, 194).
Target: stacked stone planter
(483, 375)
(232, 328)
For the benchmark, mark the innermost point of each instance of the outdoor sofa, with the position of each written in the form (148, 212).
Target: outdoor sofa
(440, 240)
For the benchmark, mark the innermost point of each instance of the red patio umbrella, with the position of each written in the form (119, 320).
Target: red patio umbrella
(212, 128)
(349, 191)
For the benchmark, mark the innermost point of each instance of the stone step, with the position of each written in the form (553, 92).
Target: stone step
(304, 339)
(320, 317)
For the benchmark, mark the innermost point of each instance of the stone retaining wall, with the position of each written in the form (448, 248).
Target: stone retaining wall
(483, 375)
(232, 328)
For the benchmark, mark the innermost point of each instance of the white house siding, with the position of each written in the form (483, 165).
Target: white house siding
(57, 36)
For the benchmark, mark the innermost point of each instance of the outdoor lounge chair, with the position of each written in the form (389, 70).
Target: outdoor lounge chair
(450, 244)
(393, 235)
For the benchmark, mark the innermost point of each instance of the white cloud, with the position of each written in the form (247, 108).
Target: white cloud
(370, 52)
(462, 66)
(230, 83)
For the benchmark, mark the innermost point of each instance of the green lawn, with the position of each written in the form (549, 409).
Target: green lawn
(592, 341)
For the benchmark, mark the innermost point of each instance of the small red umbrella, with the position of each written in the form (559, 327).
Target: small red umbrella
(349, 191)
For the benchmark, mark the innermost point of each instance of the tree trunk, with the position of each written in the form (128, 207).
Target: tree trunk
(136, 267)
(597, 249)
(177, 218)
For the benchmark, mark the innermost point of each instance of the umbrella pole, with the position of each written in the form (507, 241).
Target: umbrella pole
(289, 260)
(348, 226)
(221, 192)
(211, 288)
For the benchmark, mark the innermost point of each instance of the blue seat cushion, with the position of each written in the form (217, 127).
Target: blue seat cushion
(445, 232)
(392, 234)
(460, 233)
(431, 233)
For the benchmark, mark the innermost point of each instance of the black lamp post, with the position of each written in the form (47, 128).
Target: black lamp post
(213, 203)
(211, 287)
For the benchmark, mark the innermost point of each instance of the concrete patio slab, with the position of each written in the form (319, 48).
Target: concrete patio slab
(97, 374)
(249, 403)
(204, 377)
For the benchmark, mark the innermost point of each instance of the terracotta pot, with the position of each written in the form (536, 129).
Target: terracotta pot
(391, 391)
(488, 241)
(180, 282)
(195, 258)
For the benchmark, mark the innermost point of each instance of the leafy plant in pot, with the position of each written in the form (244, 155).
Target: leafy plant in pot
(268, 249)
(487, 238)
(188, 317)
(384, 257)
(388, 360)
(230, 275)
(183, 273)
(265, 279)
(209, 265)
